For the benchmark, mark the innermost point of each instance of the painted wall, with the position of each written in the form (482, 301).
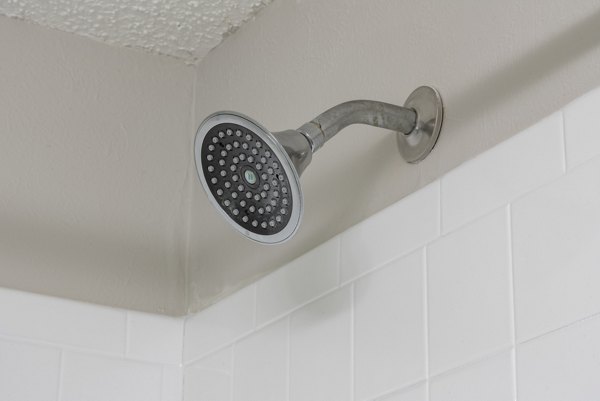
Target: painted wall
(100, 200)
(488, 292)
(92, 175)
(500, 67)
(480, 286)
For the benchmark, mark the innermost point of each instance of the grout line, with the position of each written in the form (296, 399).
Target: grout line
(181, 363)
(296, 308)
(426, 319)
(387, 262)
(511, 272)
(127, 334)
(162, 383)
(183, 336)
(223, 372)
(564, 141)
(565, 326)
(352, 345)
(231, 372)
(400, 390)
(224, 346)
(255, 308)
(67, 347)
(472, 362)
(61, 374)
(513, 199)
(513, 357)
(288, 358)
(183, 383)
(339, 287)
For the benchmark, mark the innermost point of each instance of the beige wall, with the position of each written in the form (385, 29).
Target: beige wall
(499, 65)
(99, 198)
(93, 145)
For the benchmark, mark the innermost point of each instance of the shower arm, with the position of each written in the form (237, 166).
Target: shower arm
(417, 124)
(377, 114)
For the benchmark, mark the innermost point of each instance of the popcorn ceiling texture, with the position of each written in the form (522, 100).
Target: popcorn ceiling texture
(185, 29)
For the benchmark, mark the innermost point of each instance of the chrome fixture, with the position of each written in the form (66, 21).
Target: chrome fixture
(252, 176)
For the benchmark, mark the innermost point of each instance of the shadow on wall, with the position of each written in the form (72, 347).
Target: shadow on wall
(366, 180)
(527, 71)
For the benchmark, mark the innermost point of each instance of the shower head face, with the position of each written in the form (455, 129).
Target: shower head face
(248, 177)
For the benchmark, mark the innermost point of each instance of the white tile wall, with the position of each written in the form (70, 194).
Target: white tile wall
(470, 305)
(389, 327)
(525, 161)
(393, 232)
(563, 365)
(416, 393)
(439, 292)
(28, 372)
(300, 281)
(503, 303)
(210, 378)
(556, 233)
(320, 349)
(154, 338)
(261, 362)
(172, 382)
(95, 378)
(219, 324)
(62, 322)
(490, 380)
(60, 350)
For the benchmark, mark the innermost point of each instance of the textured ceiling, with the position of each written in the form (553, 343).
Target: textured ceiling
(185, 29)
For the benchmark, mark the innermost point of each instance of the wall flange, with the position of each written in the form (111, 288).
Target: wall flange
(417, 144)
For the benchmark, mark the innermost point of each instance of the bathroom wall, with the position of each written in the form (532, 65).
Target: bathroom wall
(500, 66)
(480, 286)
(93, 158)
(54, 349)
(100, 200)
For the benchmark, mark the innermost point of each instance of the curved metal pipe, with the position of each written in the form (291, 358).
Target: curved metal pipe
(369, 112)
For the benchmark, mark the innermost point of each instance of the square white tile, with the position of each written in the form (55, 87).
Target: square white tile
(582, 128)
(391, 233)
(210, 379)
(562, 365)
(62, 321)
(320, 349)
(219, 325)
(389, 327)
(489, 380)
(96, 378)
(260, 368)
(172, 383)
(556, 233)
(469, 281)
(154, 338)
(28, 372)
(522, 163)
(296, 283)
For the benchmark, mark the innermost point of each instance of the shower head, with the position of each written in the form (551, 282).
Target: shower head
(249, 177)
(252, 176)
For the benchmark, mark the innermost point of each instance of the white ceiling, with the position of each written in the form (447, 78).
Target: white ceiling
(185, 29)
